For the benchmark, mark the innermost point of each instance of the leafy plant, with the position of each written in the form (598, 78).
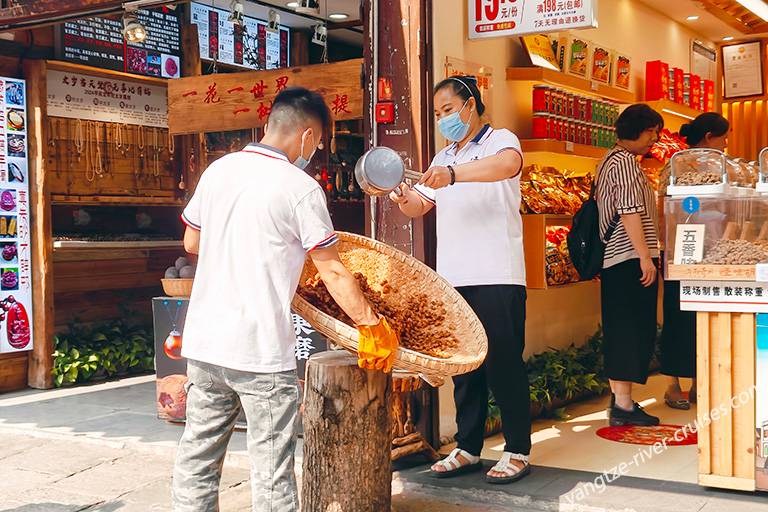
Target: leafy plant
(103, 350)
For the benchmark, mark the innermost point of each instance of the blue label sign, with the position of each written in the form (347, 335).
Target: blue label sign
(691, 204)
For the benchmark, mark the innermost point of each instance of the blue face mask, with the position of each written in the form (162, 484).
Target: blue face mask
(302, 162)
(452, 127)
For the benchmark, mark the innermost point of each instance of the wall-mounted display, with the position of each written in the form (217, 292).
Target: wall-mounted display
(743, 70)
(250, 45)
(15, 263)
(99, 42)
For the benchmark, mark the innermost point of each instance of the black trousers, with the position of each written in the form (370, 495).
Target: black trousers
(629, 322)
(678, 336)
(501, 310)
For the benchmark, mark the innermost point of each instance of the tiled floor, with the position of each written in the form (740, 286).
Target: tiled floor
(573, 444)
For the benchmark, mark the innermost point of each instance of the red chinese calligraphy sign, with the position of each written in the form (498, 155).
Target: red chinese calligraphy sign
(244, 100)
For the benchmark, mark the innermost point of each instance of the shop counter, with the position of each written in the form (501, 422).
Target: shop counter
(717, 249)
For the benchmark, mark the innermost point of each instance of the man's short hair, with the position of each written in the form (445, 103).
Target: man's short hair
(295, 105)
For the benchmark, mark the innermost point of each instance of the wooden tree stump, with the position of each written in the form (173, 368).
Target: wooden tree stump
(347, 436)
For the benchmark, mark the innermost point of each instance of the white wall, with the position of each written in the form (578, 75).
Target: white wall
(556, 317)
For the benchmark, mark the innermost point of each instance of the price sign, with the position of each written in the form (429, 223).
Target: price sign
(689, 244)
(502, 18)
(249, 46)
(99, 42)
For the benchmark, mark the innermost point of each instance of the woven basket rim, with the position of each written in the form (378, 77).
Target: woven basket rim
(410, 360)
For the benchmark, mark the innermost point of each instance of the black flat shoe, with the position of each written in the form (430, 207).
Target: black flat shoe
(682, 404)
(637, 416)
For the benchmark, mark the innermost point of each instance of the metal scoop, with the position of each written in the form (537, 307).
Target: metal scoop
(381, 170)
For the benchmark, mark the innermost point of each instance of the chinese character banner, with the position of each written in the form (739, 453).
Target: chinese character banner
(724, 296)
(15, 267)
(92, 98)
(501, 18)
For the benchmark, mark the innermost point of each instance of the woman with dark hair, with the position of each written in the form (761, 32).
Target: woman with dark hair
(678, 337)
(474, 183)
(628, 285)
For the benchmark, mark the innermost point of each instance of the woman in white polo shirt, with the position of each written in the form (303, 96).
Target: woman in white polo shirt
(475, 185)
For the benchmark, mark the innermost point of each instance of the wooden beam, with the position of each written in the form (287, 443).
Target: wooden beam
(105, 73)
(190, 48)
(721, 11)
(41, 357)
(191, 148)
(345, 24)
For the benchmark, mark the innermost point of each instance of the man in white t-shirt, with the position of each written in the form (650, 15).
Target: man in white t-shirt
(253, 218)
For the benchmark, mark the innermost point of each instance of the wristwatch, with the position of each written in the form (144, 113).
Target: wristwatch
(453, 174)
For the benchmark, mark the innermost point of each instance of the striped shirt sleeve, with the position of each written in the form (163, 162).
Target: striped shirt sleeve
(627, 187)
(313, 222)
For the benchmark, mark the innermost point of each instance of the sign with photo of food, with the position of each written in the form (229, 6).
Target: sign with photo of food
(99, 42)
(578, 61)
(601, 65)
(15, 254)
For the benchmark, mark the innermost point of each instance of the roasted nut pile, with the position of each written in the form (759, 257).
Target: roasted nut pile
(736, 252)
(699, 178)
(419, 319)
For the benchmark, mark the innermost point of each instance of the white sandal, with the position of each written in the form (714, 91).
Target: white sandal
(512, 473)
(453, 466)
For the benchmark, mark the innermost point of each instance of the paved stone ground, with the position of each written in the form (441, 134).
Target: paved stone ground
(102, 448)
(60, 475)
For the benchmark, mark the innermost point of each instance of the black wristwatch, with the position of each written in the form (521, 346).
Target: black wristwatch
(453, 174)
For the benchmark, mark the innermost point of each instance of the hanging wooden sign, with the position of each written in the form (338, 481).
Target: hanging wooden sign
(237, 101)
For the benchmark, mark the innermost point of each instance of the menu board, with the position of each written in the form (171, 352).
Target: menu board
(79, 96)
(99, 42)
(250, 46)
(15, 255)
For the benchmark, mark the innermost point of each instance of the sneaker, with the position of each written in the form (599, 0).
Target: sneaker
(637, 416)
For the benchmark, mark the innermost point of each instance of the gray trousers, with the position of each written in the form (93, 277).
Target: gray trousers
(215, 396)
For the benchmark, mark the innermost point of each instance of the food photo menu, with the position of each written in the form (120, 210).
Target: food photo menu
(15, 254)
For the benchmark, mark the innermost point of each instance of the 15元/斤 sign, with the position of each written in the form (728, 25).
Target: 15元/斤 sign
(500, 18)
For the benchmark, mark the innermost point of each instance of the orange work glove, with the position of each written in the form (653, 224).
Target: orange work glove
(377, 346)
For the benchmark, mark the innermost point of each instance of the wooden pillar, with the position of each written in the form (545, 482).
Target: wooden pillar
(347, 415)
(41, 357)
(398, 47)
(300, 42)
(725, 348)
(192, 158)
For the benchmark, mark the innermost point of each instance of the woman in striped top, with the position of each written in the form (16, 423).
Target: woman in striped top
(629, 289)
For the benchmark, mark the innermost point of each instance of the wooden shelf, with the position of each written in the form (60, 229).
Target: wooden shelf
(560, 147)
(574, 83)
(671, 109)
(535, 246)
(116, 200)
(147, 244)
